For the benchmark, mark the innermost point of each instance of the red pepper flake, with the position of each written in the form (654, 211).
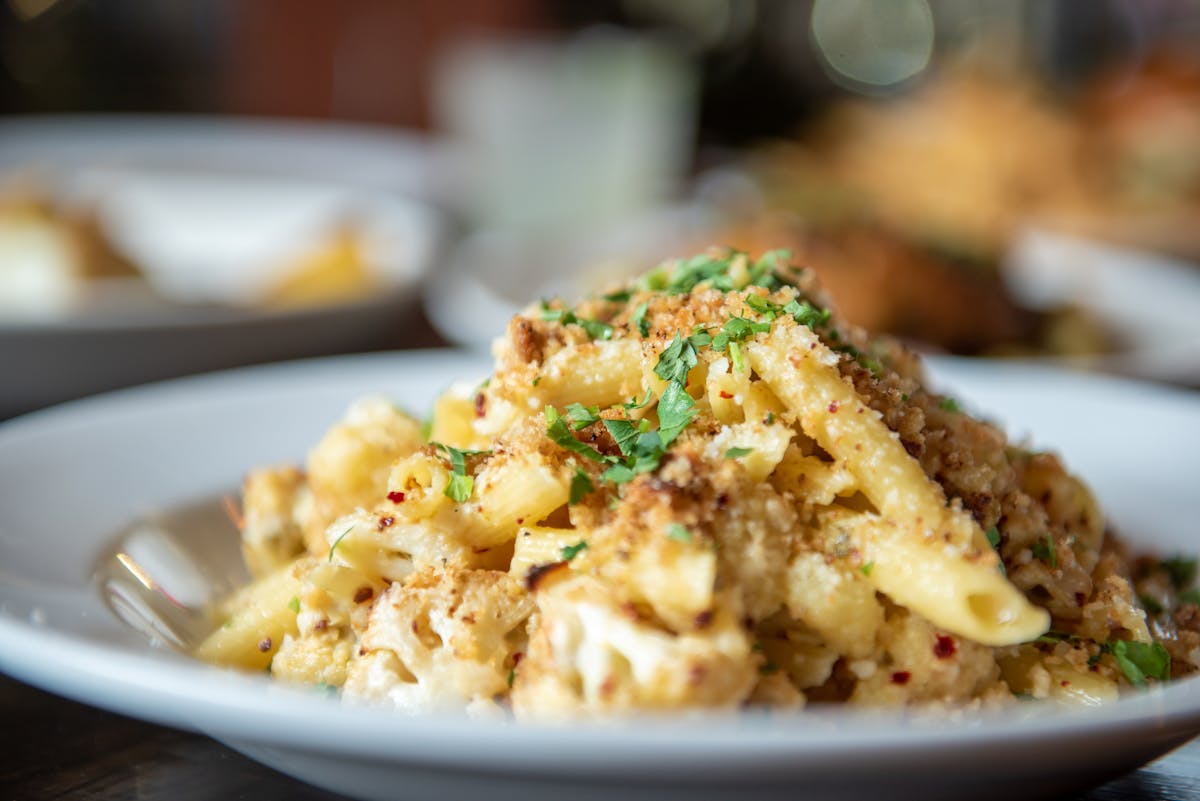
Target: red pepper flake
(363, 594)
(944, 648)
(321, 624)
(480, 405)
(901, 677)
(1065, 683)
(704, 619)
(520, 521)
(265, 644)
(396, 497)
(833, 407)
(517, 657)
(386, 522)
(724, 394)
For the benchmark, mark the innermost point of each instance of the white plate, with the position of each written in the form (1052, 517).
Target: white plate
(72, 477)
(212, 210)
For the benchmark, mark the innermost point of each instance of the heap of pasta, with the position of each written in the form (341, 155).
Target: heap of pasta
(701, 490)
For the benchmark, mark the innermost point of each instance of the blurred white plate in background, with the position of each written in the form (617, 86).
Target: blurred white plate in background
(214, 212)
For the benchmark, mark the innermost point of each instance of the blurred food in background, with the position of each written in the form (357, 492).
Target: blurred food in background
(1018, 178)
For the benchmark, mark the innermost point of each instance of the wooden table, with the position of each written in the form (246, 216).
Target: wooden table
(56, 749)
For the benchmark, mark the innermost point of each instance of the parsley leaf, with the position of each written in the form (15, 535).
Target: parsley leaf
(675, 410)
(558, 431)
(582, 416)
(1181, 571)
(625, 432)
(762, 272)
(1043, 549)
(993, 536)
(679, 533)
(639, 319)
(738, 453)
(677, 360)
(294, 604)
(867, 568)
(461, 485)
(949, 404)
(620, 296)
(1139, 660)
(594, 328)
(581, 485)
(569, 552)
(735, 357)
(338, 542)
(692, 272)
(807, 314)
(1151, 605)
(634, 403)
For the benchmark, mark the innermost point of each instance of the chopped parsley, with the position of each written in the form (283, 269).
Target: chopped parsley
(675, 410)
(867, 568)
(768, 668)
(1151, 605)
(762, 272)
(569, 552)
(690, 273)
(807, 314)
(461, 485)
(1192, 596)
(639, 319)
(620, 296)
(738, 329)
(679, 533)
(582, 416)
(735, 357)
(1043, 549)
(581, 485)
(1139, 661)
(770, 418)
(1182, 572)
(949, 404)
(594, 328)
(338, 542)
(993, 537)
(738, 453)
(512, 676)
(634, 403)
(560, 433)
(677, 360)
(294, 604)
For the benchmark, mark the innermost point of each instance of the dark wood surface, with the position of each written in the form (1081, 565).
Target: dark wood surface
(52, 749)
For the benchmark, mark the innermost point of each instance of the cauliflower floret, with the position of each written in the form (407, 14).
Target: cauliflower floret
(442, 639)
(591, 654)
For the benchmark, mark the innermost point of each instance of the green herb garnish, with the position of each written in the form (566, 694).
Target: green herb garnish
(461, 485)
(738, 453)
(679, 533)
(1182, 572)
(338, 542)
(1140, 660)
(949, 404)
(639, 319)
(594, 328)
(1043, 549)
(581, 485)
(294, 604)
(993, 536)
(867, 568)
(560, 433)
(582, 416)
(569, 552)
